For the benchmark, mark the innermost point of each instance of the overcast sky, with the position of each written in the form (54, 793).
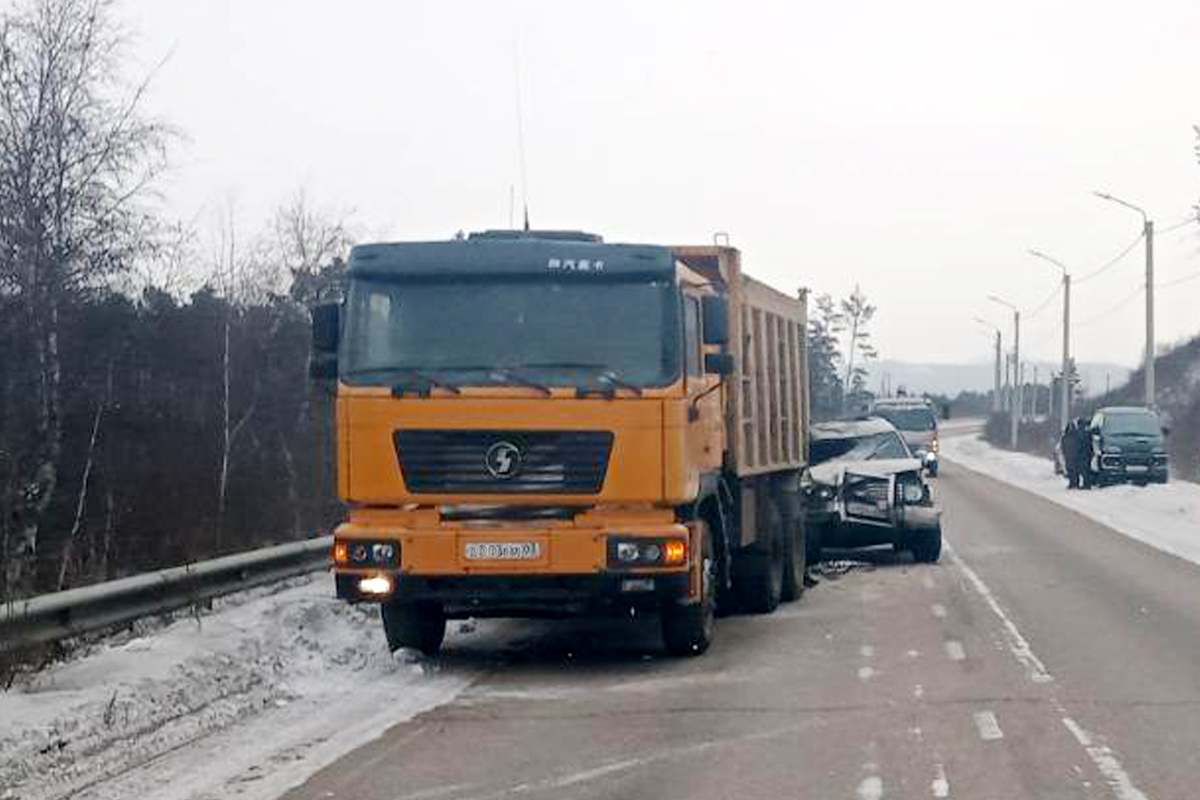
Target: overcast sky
(917, 148)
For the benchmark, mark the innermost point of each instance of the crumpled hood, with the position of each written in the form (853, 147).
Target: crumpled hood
(831, 472)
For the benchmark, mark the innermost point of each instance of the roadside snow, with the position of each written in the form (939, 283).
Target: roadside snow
(1163, 516)
(244, 702)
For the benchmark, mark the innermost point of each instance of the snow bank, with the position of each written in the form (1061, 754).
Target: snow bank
(1164, 516)
(247, 701)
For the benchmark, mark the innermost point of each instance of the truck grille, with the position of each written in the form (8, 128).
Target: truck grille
(545, 462)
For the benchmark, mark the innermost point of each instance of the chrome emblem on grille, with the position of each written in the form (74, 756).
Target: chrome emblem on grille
(503, 460)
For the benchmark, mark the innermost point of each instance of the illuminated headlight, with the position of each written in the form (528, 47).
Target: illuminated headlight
(361, 553)
(647, 552)
(376, 585)
(821, 492)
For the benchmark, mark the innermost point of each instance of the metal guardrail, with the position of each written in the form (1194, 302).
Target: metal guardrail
(88, 609)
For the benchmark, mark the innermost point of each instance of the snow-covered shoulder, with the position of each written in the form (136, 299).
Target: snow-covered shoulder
(248, 700)
(1165, 516)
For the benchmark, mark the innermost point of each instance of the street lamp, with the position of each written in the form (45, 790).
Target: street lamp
(1148, 232)
(996, 393)
(1064, 414)
(1015, 405)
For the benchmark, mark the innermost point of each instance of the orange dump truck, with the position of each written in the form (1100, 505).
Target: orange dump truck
(544, 424)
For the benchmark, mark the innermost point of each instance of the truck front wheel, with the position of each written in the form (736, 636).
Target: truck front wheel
(687, 630)
(420, 626)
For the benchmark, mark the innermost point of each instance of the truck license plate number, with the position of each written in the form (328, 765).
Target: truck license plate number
(503, 551)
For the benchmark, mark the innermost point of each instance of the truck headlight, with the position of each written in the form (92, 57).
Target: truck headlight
(912, 493)
(365, 553)
(647, 552)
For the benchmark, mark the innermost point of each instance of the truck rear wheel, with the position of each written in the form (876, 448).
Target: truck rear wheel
(687, 630)
(795, 559)
(758, 579)
(420, 626)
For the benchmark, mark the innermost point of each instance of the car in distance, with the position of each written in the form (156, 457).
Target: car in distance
(1128, 445)
(916, 420)
(866, 489)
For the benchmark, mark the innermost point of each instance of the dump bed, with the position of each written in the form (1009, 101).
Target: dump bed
(767, 406)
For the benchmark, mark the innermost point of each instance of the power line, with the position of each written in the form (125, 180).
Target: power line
(1191, 277)
(1112, 261)
(1124, 302)
(1178, 225)
(1045, 303)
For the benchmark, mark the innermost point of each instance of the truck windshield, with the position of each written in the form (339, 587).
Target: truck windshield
(1133, 424)
(484, 332)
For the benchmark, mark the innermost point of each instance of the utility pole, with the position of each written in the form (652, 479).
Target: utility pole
(1148, 235)
(1017, 400)
(1064, 412)
(1150, 388)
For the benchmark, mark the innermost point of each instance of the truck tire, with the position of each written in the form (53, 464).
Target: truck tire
(687, 630)
(795, 559)
(758, 579)
(420, 626)
(926, 545)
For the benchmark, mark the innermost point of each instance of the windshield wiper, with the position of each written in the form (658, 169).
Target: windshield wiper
(511, 374)
(429, 381)
(607, 375)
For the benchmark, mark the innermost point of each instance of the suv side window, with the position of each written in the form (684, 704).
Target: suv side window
(691, 335)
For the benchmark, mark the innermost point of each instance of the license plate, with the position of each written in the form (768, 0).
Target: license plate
(866, 509)
(503, 551)
(1136, 468)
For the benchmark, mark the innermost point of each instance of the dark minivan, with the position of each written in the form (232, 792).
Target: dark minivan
(1128, 445)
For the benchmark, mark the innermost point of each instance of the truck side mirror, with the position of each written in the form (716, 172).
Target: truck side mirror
(326, 327)
(719, 364)
(715, 310)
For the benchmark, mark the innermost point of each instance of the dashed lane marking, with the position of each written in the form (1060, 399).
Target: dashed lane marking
(1017, 643)
(939, 786)
(955, 650)
(938, 610)
(988, 726)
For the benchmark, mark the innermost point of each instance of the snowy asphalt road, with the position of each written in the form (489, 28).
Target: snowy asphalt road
(1045, 657)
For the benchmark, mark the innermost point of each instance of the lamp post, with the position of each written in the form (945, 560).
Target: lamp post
(1148, 232)
(996, 403)
(1015, 408)
(1064, 413)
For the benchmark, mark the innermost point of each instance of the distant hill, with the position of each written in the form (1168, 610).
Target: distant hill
(950, 379)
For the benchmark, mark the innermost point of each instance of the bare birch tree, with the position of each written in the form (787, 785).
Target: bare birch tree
(77, 158)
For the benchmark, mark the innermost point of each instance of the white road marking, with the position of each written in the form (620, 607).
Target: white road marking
(1107, 762)
(955, 650)
(865, 674)
(871, 788)
(939, 785)
(1101, 755)
(1017, 643)
(866, 651)
(938, 610)
(918, 691)
(988, 726)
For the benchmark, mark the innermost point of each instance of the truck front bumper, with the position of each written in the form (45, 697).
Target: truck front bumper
(572, 571)
(530, 595)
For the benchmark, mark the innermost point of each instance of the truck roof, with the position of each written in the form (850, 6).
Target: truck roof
(513, 253)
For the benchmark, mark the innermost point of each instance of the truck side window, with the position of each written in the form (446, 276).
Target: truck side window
(691, 334)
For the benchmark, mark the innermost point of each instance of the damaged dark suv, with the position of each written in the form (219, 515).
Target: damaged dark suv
(868, 489)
